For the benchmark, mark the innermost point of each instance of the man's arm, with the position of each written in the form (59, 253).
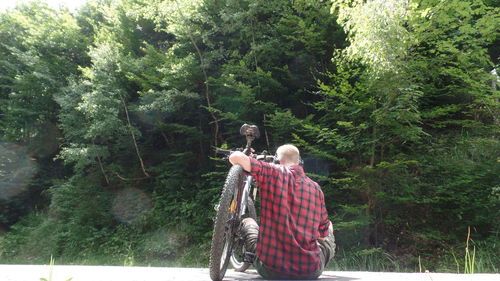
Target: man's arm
(325, 225)
(239, 158)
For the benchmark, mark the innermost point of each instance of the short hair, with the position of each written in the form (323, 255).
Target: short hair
(288, 153)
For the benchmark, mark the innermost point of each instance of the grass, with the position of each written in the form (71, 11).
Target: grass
(166, 249)
(367, 260)
(51, 271)
(476, 257)
(190, 256)
(479, 258)
(470, 261)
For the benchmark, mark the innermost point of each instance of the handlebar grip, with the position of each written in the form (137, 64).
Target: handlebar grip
(223, 151)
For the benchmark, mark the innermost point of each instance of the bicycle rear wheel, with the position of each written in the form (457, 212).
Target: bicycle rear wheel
(224, 228)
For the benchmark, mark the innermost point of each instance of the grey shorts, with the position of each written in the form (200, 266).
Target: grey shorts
(250, 232)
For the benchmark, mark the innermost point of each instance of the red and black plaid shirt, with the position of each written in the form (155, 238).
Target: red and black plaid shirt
(293, 216)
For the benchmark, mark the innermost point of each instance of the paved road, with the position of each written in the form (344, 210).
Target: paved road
(117, 273)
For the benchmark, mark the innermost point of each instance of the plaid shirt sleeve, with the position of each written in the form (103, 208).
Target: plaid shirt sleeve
(325, 223)
(266, 174)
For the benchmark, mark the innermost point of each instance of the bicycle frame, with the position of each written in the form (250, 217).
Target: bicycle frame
(245, 193)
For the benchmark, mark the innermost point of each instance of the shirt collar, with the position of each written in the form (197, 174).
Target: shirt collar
(298, 169)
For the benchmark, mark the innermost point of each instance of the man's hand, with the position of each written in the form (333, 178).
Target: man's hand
(239, 158)
(330, 232)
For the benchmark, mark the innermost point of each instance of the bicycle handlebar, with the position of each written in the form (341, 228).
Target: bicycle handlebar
(261, 157)
(224, 151)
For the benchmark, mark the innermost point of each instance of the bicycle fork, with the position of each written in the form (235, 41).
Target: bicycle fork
(245, 193)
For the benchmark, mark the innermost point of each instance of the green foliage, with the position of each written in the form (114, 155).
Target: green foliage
(109, 118)
(40, 48)
(376, 32)
(374, 259)
(453, 65)
(379, 118)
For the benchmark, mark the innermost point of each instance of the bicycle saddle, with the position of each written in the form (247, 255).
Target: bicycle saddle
(250, 130)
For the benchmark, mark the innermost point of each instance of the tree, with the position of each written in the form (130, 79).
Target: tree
(389, 94)
(40, 47)
(391, 103)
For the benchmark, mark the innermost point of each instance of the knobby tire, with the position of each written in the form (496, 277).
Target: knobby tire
(218, 262)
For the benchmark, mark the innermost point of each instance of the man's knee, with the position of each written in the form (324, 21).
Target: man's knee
(248, 221)
(250, 233)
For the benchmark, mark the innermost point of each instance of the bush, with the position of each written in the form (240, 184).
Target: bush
(32, 240)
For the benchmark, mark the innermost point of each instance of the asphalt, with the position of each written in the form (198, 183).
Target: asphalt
(132, 273)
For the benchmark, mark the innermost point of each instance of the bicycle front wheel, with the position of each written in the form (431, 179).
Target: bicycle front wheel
(224, 228)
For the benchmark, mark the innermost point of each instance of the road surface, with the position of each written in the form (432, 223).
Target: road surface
(118, 273)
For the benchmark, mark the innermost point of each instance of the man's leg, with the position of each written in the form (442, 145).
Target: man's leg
(250, 232)
(267, 273)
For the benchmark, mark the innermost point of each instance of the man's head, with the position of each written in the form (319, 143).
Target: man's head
(288, 154)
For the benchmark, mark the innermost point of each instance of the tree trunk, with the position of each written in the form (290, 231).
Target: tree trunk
(374, 146)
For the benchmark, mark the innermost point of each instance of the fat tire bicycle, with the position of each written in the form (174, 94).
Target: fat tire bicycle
(237, 201)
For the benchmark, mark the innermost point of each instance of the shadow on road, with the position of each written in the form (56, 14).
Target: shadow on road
(326, 277)
(252, 275)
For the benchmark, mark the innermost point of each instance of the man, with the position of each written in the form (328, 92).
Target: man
(295, 238)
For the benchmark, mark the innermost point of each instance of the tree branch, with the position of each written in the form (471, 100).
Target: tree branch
(133, 138)
(101, 166)
(102, 169)
(129, 179)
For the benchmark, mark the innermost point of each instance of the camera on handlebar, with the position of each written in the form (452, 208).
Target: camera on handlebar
(266, 157)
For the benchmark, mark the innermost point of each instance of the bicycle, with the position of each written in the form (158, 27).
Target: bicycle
(236, 202)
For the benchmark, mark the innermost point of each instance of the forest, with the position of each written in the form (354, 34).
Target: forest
(110, 116)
